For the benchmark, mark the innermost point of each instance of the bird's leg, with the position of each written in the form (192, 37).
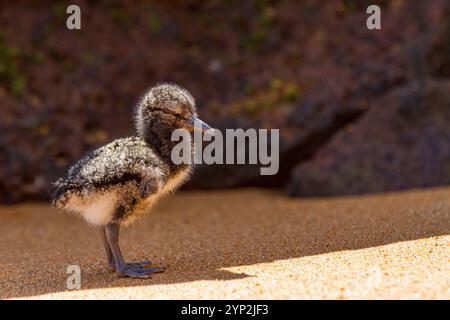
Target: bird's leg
(133, 270)
(109, 254)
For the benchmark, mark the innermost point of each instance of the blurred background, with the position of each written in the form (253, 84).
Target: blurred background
(359, 111)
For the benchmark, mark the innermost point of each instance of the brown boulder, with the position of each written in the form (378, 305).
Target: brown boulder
(403, 142)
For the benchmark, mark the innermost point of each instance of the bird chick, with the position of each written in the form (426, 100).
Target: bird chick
(119, 182)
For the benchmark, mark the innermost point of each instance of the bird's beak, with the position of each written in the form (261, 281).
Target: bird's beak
(199, 125)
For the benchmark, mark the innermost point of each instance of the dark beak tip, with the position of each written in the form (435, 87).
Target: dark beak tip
(206, 127)
(201, 124)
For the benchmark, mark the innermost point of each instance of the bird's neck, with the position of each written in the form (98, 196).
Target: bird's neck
(163, 145)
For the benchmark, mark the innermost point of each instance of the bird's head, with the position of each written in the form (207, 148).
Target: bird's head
(163, 109)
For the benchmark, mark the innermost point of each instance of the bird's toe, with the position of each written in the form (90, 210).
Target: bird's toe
(143, 264)
(139, 271)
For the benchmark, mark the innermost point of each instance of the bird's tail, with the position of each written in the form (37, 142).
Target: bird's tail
(59, 192)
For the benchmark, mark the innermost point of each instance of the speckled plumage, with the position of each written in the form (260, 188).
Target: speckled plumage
(120, 181)
(163, 98)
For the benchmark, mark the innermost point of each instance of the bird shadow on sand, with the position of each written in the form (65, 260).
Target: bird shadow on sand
(209, 235)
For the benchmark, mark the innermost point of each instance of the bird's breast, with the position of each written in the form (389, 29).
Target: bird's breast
(97, 209)
(176, 180)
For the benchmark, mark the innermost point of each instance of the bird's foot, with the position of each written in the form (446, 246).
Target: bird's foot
(143, 264)
(138, 270)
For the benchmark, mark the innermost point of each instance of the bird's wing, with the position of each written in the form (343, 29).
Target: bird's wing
(122, 161)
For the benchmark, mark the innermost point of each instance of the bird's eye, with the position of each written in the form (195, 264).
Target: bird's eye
(174, 114)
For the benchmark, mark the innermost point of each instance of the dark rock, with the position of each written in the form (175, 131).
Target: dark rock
(438, 57)
(308, 68)
(403, 142)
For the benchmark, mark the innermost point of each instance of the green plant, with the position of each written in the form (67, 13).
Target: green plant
(262, 24)
(120, 16)
(154, 23)
(9, 70)
(11, 59)
(278, 91)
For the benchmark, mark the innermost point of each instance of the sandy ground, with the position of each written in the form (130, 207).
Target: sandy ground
(241, 244)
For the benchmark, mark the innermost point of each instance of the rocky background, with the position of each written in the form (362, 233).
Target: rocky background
(358, 110)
